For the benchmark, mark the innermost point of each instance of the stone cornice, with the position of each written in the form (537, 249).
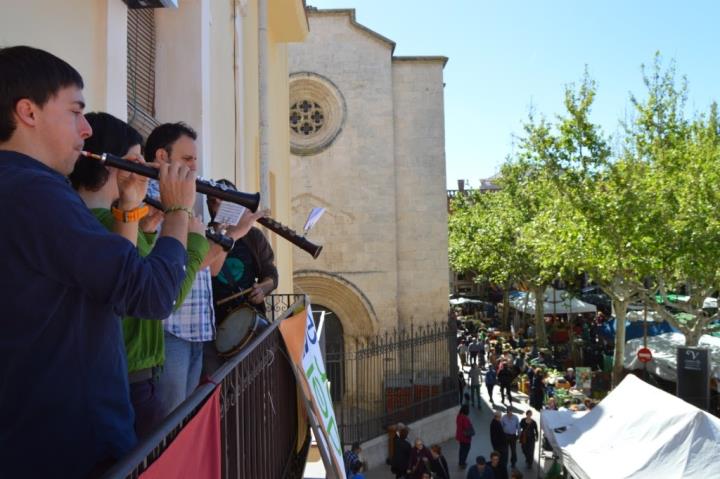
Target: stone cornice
(429, 59)
(350, 12)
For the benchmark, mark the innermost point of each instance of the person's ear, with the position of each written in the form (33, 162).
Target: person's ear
(162, 155)
(26, 112)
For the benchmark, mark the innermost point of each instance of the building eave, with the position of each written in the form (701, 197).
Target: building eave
(350, 13)
(426, 59)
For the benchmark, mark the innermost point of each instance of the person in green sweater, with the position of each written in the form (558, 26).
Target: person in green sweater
(98, 187)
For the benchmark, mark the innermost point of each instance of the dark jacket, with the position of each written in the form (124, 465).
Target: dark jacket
(418, 464)
(66, 282)
(401, 456)
(439, 466)
(264, 266)
(505, 376)
(260, 247)
(530, 429)
(474, 473)
(497, 436)
(499, 472)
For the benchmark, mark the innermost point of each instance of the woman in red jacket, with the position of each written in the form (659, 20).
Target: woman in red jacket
(464, 432)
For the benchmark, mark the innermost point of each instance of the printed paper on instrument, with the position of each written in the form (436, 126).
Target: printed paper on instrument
(229, 213)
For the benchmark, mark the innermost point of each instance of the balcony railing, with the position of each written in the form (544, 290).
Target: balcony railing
(258, 410)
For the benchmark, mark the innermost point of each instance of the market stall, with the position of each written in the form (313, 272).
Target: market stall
(556, 302)
(637, 431)
(634, 328)
(664, 352)
(563, 324)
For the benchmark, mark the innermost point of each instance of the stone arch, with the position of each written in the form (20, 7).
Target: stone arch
(341, 296)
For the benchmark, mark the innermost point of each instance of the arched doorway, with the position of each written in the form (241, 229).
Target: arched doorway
(341, 296)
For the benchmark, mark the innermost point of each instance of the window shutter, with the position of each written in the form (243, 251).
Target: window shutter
(141, 70)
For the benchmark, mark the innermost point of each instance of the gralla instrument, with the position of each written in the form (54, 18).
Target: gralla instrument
(250, 201)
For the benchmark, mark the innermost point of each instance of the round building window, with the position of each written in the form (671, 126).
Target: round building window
(317, 113)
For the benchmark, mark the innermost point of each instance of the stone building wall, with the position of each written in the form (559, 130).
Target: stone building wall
(421, 198)
(385, 230)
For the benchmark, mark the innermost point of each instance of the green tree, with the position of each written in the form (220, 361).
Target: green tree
(482, 238)
(683, 156)
(600, 225)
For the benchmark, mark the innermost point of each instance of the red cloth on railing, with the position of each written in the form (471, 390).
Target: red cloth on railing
(195, 452)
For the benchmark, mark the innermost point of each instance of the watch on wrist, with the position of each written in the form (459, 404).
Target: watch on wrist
(129, 216)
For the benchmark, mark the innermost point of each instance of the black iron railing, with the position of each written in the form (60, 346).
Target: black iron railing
(258, 401)
(395, 377)
(277, 304)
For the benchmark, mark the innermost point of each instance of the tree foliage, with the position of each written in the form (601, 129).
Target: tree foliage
(641, 220)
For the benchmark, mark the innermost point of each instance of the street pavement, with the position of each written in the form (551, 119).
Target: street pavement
(481, 446)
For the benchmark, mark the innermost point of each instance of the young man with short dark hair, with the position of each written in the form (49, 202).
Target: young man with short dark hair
(481, 470)
(64, 404)
(192, 324)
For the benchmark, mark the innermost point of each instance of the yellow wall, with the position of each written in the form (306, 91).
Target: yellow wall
(283, 26)
(222, 92)
(84, 33)
(195, 78)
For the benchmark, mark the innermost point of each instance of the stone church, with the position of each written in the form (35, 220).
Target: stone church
(368, 144)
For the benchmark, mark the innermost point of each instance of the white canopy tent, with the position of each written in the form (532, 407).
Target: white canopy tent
(555, 301)
(637, 431)
(664, 351)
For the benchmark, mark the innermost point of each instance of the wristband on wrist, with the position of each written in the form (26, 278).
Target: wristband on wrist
(225, 242)
(129, 216)
(172, 209)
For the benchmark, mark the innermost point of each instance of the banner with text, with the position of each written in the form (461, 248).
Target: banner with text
(302, 343)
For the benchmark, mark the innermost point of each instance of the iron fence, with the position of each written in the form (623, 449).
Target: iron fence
(277, 304)
(258, 406)
(399, 376)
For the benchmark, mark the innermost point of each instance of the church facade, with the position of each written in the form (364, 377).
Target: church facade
(367, 143)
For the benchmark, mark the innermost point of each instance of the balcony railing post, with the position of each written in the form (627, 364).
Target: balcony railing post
(258, 433)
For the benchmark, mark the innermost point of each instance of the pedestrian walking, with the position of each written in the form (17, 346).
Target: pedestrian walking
(528, 437)
(462, 384)
(505, 378)
(419, 461)
(510, 425)
(498, 467)
(481, 470)
(474, 348)
(490, 381)
(474, 375)
(463, 353)
(438, 463)
(401, 452)
(537, 390)
(498, 441)
(351, 458)
(481, 353)
(464, 432)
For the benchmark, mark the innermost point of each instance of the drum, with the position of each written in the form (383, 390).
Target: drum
(238, 328)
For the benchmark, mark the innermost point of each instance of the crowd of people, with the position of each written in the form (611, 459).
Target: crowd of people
(111, 305)
(499, 359)
(416, 461)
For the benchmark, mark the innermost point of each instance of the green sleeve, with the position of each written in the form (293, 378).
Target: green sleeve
(149, 237)
(197, 248)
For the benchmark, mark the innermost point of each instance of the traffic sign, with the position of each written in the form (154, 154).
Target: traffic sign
(644, 355)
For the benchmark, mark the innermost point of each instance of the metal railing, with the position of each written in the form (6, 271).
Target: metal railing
(258, 411)
(277, 304)
(401, 376)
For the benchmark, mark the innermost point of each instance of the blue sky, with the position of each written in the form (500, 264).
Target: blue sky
(506, 55)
